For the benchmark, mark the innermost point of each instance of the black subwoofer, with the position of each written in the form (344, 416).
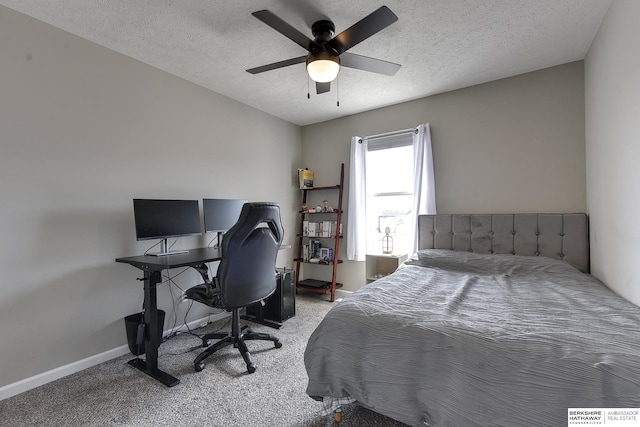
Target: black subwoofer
(281, 305)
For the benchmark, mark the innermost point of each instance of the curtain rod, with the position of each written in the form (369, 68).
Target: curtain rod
(397, 132)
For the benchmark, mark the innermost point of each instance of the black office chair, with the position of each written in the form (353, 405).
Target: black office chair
(246, 275)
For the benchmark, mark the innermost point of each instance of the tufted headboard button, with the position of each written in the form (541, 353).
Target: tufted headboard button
(513, 233)
(513, 252)
(537, 233)
(561, 255)
(537, 253)
(562, 234)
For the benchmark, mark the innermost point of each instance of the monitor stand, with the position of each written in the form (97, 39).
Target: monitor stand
(165, 250)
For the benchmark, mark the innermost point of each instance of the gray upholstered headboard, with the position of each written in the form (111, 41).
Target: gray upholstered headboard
(560, 236)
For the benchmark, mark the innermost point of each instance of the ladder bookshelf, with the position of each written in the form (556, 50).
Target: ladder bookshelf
(323, 287)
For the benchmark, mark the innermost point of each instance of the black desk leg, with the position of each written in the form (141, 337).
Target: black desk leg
(152, 339)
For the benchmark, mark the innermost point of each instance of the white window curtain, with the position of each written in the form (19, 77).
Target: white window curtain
(424, 190)
(357, 215)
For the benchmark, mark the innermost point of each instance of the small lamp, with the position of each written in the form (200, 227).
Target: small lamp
(322, 66)
(387, 242)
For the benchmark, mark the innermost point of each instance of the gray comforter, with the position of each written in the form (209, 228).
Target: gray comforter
(462, 339)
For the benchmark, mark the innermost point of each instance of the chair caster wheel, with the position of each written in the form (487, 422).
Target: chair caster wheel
(251, 368)
(199, 366)
(278, 344)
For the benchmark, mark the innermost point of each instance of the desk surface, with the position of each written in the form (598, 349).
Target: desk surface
(156, 263)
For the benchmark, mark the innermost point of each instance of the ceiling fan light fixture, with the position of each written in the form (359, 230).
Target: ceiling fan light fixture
(323, 67)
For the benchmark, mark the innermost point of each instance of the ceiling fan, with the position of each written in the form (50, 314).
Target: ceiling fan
(327, 53)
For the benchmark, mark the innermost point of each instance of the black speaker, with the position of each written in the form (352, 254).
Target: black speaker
(281, 305)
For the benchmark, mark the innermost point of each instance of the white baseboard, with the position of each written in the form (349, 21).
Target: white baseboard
(54, 374)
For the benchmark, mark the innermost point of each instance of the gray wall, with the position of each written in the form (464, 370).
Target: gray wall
(84, 130)
(512, 145)
(613, 149)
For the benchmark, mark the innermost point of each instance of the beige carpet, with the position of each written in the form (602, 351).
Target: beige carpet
(223, 394)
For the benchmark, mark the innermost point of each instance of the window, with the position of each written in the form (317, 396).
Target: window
(389, 177)
(391, 182)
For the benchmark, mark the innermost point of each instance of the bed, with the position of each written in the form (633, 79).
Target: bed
(495, 321)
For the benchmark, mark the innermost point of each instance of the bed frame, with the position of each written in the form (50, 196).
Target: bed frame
(559, 236)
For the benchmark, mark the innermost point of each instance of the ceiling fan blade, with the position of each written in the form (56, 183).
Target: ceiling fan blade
(363, 29)
(278, 64)
(286, 30)
(322, 87)
(351, 60)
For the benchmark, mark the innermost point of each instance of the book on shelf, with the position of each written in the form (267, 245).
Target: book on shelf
(321, 229)
(313, 229)
(311, 251)
(314, 249)
(326, 228)
(305, 178)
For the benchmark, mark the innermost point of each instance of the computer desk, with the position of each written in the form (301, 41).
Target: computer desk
(152, 267)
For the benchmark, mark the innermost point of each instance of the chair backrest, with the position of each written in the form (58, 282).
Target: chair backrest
(247, 271)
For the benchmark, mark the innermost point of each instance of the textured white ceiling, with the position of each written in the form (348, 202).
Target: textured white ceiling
(441, 44)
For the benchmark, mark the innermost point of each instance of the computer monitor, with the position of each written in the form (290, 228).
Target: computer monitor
(221, 214)
(162, 219)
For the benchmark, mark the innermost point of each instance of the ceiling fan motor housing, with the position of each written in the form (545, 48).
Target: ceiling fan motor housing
(323, 31)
